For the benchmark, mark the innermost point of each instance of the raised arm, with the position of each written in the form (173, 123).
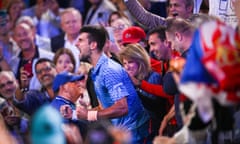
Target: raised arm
(144, 17)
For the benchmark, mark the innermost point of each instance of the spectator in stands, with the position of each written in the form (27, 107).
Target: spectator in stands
(66, 86)
(136, 62)
(71, 23)
(45, 14)
(23, 64)
(176, 8)
(40, 41)
(15, 120)
(6, 49)
(99, 12)
(14, 9)
(64, 60)
(114, 16)
(118, 26)
(30, 101)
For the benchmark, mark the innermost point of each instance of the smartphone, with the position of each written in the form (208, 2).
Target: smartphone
(28, 67)
(3, 17)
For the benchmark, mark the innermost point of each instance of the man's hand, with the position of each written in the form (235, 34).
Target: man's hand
(24, 78)
(82, 113)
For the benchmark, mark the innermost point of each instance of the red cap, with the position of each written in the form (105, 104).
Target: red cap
(133, 34)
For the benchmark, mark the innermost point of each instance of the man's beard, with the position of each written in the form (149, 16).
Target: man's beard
(85, 59)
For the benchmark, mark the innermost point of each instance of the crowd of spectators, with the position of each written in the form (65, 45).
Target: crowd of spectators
(119, 71)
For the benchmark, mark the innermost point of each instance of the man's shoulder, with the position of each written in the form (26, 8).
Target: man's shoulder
(113, 65)
(57, 102)
(45, 54)
(58, 37)
(35, 92)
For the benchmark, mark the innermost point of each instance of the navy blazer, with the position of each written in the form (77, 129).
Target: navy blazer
(57, 42)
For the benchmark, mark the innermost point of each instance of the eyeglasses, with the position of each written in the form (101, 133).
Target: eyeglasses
(119, 27)
(5, 84)
(46, 69)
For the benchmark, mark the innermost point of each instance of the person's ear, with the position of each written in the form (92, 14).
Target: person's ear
(63, 88)
(178, 36)
(167, 43)
(93, 45)
(190, 9)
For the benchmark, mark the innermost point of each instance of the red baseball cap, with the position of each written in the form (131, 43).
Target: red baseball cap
(133, 34)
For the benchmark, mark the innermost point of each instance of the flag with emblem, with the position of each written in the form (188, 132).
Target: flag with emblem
(212, 68)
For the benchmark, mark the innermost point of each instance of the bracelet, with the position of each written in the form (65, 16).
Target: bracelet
(92, 115)
(74, 115)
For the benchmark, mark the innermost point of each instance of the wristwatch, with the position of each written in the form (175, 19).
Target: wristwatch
(23, 90)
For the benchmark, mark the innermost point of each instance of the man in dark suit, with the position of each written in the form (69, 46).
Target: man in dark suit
(71, 23)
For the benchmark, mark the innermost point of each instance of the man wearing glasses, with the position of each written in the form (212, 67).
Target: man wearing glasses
(31, 100)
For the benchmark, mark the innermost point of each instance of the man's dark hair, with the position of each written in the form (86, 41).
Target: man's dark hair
(160, 31)
(95, 34)
(41, 60)
(188, 3)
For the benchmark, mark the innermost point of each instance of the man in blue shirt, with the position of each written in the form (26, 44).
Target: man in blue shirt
(30, 101)
(66, 87)
(113, 87)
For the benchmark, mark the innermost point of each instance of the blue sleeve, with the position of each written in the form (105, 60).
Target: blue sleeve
(33, 100)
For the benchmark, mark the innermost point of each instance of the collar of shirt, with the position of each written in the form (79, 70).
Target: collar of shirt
(67, 102)
(35, 56)
(101, 60)
(67, 41)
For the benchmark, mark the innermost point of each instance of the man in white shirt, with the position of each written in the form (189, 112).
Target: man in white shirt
(71, 23)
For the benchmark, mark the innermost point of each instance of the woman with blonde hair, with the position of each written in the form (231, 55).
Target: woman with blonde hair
(134, 54)
(136, 62)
